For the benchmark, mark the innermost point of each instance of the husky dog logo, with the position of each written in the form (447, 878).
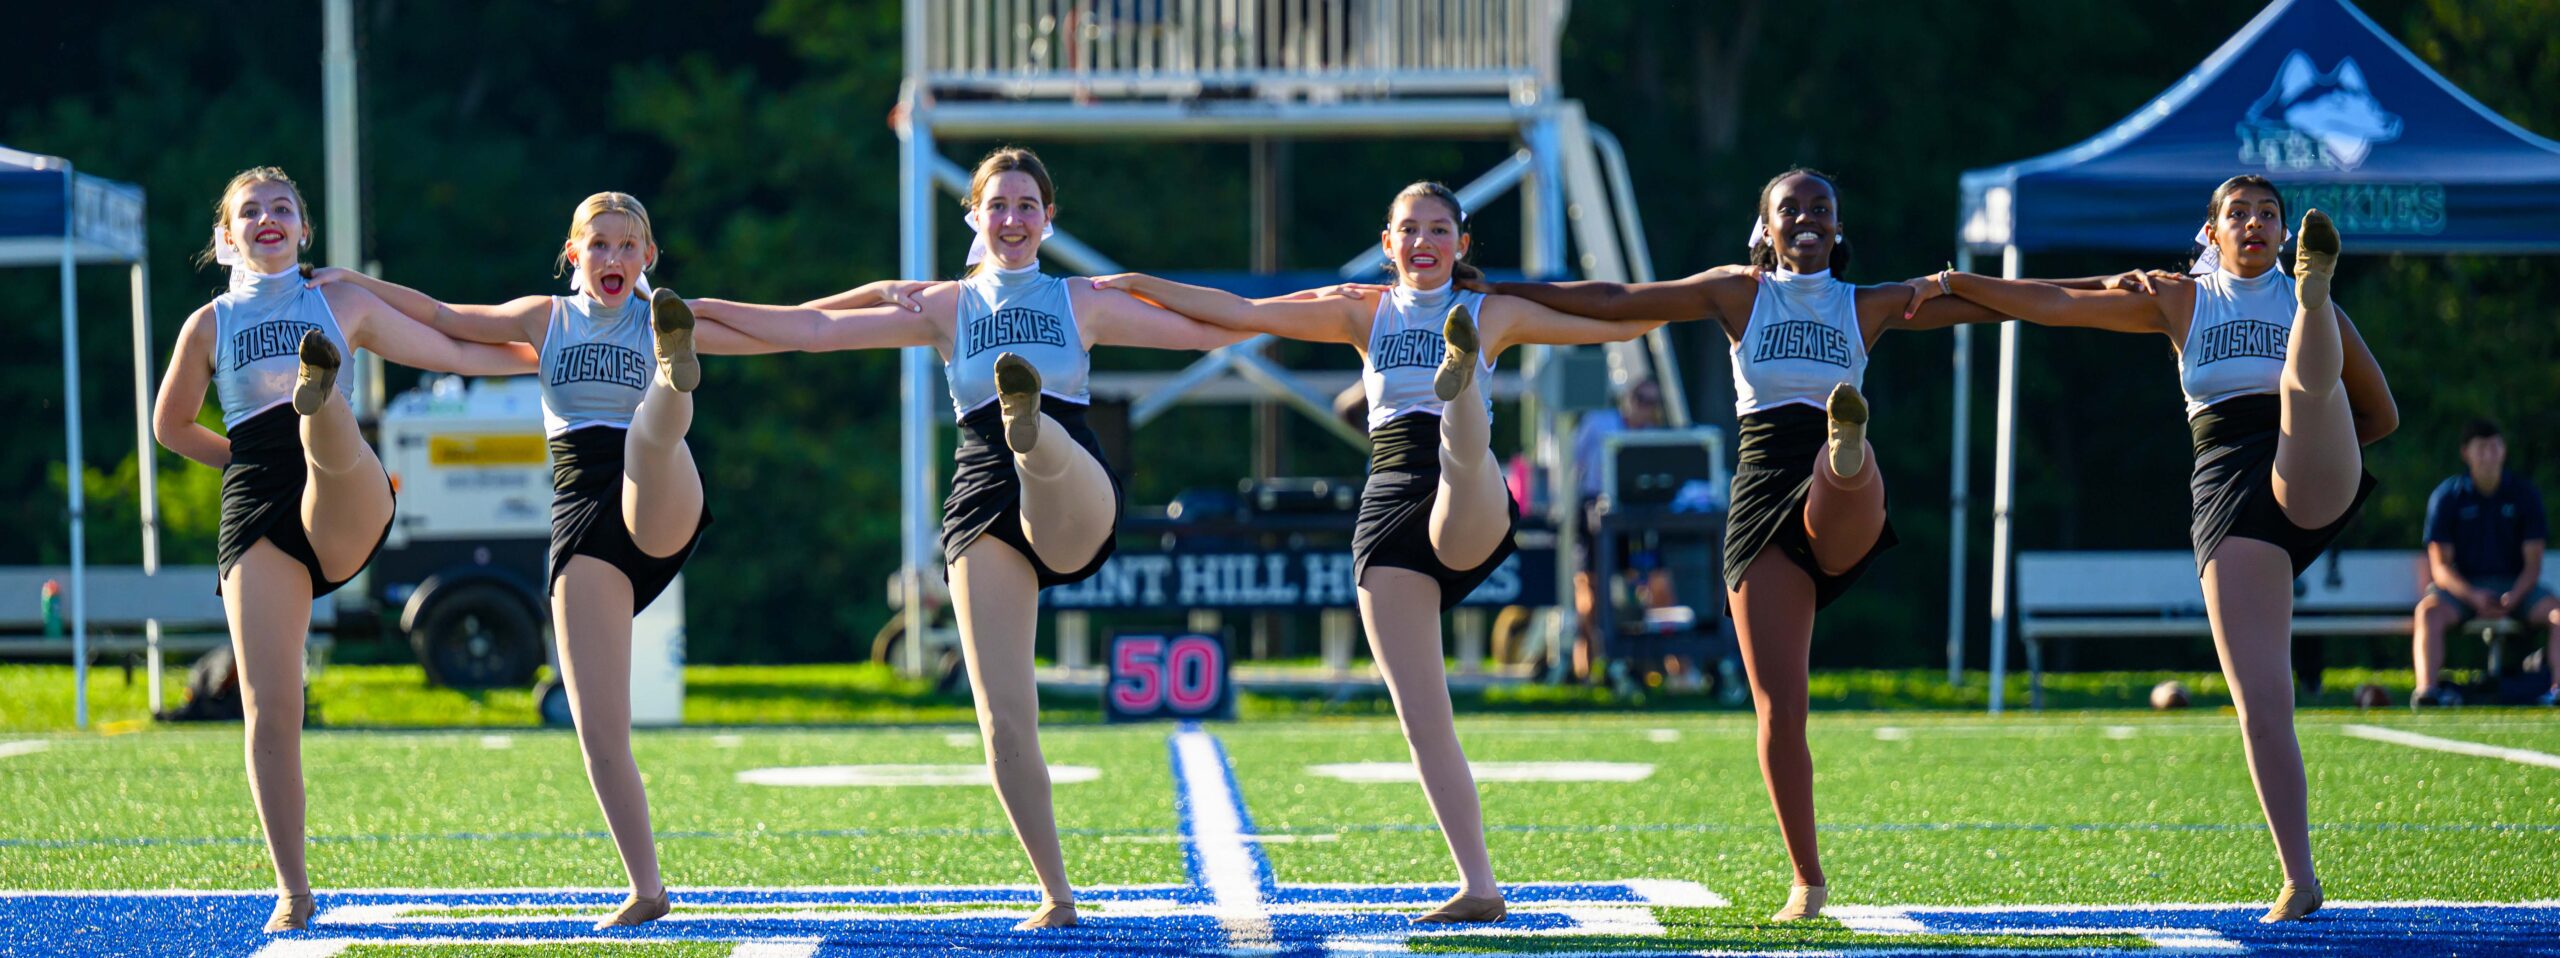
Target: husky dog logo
(2310, 120)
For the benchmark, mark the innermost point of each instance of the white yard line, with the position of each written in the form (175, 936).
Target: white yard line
(305, 948)
(497, 742)
(2120, 732)
(1217, 831)
(1892, 733)
(2519, 756)
(728, 741)
(775, 949)
(23, 747)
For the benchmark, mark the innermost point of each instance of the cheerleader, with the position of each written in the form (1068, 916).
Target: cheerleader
(1808, 502)
(619, 363)
(2281, 397)
(1033, 502)
(1435, 516)
(305, 505)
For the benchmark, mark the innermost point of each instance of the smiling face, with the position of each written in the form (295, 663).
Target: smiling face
(615, 248)
(2247, 228)
(263, 220)
(1012, 213)
(1423, 239)
(1801, 214)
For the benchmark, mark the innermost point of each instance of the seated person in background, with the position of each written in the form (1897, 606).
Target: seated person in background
(2485, 537)
(1640, 407)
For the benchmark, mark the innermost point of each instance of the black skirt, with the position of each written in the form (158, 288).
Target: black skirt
(262, 498)
(1771, 482)
(2234, 483)
(586, 514)
(1394, 528)
(986, 495)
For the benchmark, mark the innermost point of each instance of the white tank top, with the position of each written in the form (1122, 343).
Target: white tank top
(2237, 338)
(257, 341)
(1406, 346)
(596, 363)
(1802, 339)
(1024, 312)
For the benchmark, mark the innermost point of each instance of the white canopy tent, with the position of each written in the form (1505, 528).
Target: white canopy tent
(53, 215)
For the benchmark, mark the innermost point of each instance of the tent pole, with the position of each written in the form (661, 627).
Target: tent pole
(1959, 488)
(74, 474)
(2004, 472)
(145, 463)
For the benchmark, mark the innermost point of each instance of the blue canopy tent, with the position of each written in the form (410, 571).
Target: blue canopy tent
(2313, 95)
(53, 215)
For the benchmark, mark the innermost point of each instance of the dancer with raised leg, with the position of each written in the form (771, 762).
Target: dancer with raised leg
(305, 503)
(1808, 503)
(2282, 395)
(619, 368)
(1435, 516)
(1033, 502)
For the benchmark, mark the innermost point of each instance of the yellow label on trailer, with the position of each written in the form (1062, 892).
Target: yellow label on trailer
(499, 449)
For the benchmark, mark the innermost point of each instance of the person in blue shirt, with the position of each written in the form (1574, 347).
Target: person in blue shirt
(2485, 537)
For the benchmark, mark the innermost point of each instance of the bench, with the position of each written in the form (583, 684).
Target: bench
(123, 603)
(2080, 595)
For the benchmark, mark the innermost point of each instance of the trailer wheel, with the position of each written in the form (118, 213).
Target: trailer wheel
(479, 636)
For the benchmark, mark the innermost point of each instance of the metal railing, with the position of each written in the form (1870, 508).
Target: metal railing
(1180, 49)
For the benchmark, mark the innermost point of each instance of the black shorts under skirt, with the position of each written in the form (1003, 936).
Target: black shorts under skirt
(262, 498)
(986, 495)
(586, 514)
(1394, 528)
(1771, 483)
(2234, 484)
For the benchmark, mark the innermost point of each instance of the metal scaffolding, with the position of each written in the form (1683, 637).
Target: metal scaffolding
(1244, 70)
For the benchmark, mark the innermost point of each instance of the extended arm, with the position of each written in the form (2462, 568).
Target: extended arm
(1515, 321)
(513, 321)
(811, 329)
(173, 414)
(1115, 318)
(887, 292)
(1690, 297)
(1319, 320)
(372, 324)
(2119, 310)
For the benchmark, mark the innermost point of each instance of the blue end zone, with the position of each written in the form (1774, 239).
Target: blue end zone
(2361, 930)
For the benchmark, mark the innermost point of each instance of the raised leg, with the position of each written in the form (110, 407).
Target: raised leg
(661, 486)
(2319, 464)
(1471, 513)
(1844, 513)
(346, 499)
(1066, 495)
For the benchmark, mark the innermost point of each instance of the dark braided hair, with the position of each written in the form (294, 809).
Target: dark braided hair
(1461, 270)
(1765, 255)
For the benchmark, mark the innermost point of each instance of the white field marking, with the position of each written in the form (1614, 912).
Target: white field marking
(1374, 773)
(728, 741)
(1892, 733)
(2520, 756)
(2120, 732)
(497, 742)
(1662, 736)
(332, 947)
(1874, 919)
(618, 890)
(23, 747)
(305, 948)
(1674, 893)
(1217, 833)
(899, 775)
(435, 913)
(1256, 839)
(961, 739)
(2537, 903)
(775, 949)
(1602, 920)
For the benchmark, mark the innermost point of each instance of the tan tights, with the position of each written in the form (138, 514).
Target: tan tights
(1067, 511)
(346, 505)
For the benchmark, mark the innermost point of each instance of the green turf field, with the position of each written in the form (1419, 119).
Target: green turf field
(1943, 809)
